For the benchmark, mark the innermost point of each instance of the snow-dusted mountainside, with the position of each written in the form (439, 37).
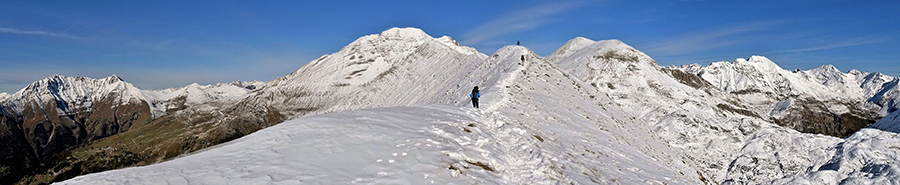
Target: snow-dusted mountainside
(718, 131)
(57, 113)
(400, 66)
(209, 96)
(77, 93)
(53, 114)
(822, 100)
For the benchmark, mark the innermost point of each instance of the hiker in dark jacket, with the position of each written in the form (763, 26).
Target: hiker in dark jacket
(475, 95)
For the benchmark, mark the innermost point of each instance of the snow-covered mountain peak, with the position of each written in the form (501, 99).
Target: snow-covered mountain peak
(371, 57)
(762, 63)
(405, 34)
(447, 40)
(113, 79)
(827, 74)
(570, 47)
(827, 68)
(857, 72)
(607, 51)
(3, 96)
(76, 92)
(513, 50)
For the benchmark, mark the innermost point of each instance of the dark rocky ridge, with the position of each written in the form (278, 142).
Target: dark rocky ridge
(34, 139)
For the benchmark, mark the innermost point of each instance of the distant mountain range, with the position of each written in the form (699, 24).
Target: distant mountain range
(590, 112)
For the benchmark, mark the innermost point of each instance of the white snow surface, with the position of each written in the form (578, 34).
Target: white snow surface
(593, 112)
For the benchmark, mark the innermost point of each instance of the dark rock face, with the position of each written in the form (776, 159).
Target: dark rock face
(811, 116)
(33, 140)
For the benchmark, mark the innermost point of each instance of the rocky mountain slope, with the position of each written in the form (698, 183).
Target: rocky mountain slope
(58, 112)
(46, 119)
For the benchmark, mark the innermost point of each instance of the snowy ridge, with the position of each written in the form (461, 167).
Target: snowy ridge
(74, 93)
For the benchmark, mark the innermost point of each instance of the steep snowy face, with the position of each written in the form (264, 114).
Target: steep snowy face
(400, 66)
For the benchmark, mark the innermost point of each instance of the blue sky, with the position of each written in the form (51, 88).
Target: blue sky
(163, 44)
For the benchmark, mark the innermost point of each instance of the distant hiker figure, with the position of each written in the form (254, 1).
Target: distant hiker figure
(475, 95)
(517, 43)
(523, 60)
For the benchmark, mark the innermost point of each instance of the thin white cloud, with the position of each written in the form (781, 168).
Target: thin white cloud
(706, 40)
(836, 45)
(525, 19)
(37, 33)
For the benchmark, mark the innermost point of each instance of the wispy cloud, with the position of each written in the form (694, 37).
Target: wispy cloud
(706, 40)
(521, 20)
(839, 44)
(37, 33)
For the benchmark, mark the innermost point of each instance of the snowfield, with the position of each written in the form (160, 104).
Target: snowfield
(399, 145)
(392, 108)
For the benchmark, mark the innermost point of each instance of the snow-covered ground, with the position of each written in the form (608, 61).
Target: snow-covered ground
(398, 145)
(593, 112)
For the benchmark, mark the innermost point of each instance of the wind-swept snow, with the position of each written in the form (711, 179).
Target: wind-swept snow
(398, 145)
